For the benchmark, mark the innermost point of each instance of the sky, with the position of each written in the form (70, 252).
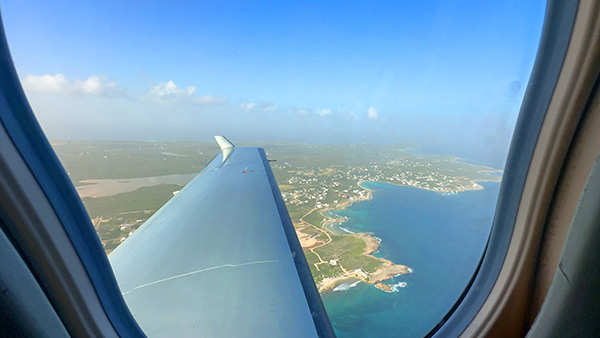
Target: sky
(450, 73)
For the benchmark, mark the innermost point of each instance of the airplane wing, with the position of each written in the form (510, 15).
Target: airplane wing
(221, 259)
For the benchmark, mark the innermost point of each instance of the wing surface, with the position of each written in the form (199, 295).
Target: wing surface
(221, 259)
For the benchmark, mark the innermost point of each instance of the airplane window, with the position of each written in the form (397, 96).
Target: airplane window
(386, 126)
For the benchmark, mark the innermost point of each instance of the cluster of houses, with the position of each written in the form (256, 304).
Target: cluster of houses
(394, 172)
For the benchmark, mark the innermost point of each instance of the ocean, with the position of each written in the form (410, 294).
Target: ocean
(441, 237)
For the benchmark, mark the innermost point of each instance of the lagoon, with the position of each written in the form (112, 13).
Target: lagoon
(108, 187)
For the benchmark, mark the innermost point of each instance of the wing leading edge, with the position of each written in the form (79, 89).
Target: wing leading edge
(221, 259)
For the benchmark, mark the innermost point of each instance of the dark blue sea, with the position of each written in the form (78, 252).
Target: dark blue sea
(441, 237)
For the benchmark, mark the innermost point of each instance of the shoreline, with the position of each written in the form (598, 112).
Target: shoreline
(369, 196)
(475, 186)
(389, 269)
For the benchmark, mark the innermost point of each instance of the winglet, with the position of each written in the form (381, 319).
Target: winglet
(223, 142)
(225, 145)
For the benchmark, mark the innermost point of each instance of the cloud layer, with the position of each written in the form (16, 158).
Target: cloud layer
(94, 85)
(168, 91)
(372, 114)
(211, 100)
(324, 112)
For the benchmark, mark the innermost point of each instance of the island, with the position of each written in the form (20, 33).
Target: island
(315, 181)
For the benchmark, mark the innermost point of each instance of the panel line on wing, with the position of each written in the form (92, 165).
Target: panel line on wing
(198, 271)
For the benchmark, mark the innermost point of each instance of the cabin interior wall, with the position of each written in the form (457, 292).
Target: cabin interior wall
(507, 309)
(579, 162)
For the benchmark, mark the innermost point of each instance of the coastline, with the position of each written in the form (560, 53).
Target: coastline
(474, 186)
(388, 269)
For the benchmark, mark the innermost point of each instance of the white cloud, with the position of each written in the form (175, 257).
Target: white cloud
(324, 112)
(95, 85)
(268, 106)
(260, 106)
(302, 111)
(373, 114)
(168, 91)
(211, 100)
(45, 83)
(247, 106)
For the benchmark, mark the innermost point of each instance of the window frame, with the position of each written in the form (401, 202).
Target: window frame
(36, 152)
(554, 42)
(52, 229)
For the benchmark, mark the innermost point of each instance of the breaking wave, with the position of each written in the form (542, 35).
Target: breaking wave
(345, 286)
(346, 230)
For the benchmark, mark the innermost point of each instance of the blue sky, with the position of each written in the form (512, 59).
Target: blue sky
(322, 71)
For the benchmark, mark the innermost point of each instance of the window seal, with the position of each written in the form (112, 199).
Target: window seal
(558, 25)
(23, 129)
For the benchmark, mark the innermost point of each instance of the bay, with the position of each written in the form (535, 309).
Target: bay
(441, 237)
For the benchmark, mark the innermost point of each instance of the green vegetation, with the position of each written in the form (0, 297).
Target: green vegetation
(119, 160)
(310, 230)
(347, 251)
(315, 218)
(140, 200)
(115, 216)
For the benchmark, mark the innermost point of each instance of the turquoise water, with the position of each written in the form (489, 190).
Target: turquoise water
(441, 237)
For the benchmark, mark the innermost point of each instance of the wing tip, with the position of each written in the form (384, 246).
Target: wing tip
(225, 145)
(223, 142)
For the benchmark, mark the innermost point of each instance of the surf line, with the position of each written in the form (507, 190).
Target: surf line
(198, 271)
